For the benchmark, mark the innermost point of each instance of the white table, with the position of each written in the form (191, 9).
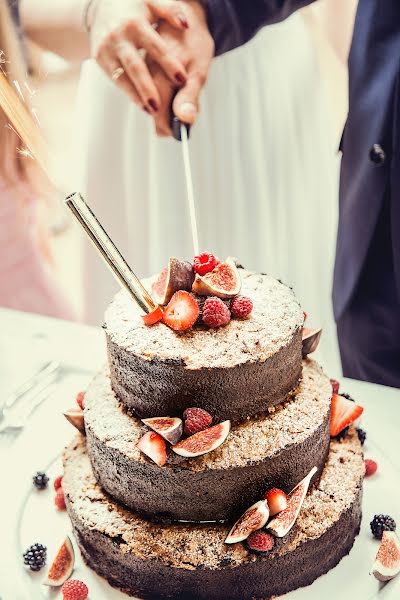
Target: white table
(26, 341)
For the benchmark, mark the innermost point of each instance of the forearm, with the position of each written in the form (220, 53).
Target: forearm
(232, 23)
(57, 25)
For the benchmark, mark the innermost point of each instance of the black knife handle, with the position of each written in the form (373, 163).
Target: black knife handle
(176, 128)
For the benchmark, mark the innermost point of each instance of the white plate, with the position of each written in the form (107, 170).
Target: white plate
(31, 517)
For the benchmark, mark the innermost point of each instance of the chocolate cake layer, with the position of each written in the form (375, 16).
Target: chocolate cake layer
(233, 372)
(276, 450)
(187, 562)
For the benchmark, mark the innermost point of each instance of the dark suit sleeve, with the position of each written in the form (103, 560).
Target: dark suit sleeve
(233, 22)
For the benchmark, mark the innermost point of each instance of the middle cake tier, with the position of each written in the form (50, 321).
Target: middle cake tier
(273, 450)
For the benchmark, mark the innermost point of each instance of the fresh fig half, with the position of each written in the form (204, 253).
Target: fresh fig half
(62, 565)
(311, 338)
(170, 428)
(254, 518)
(223, 281)
(203, 441)
(178, 275)
(284, 521)
(75, 417)
(387, 562)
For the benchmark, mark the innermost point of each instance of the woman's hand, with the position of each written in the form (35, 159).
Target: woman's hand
(122, 30)
(195, 49)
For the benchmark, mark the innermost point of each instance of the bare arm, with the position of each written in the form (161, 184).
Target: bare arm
(58, 26)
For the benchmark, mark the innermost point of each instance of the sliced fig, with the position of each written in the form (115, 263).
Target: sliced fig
(387, 562)
(178, 275)
(254, 518)
(62, 565)
(223, 281)
(75, 417)
(311, 339)
(284, 521)
(203, 441)
(170, 428)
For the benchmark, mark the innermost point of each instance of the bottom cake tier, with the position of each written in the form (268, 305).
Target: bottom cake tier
(186, 561)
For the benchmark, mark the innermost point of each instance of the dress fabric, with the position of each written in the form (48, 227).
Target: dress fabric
(264, 165)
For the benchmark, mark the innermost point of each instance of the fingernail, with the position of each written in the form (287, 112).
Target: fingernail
(180, 78)
(153, 105)
(183, 21)
(187, 109)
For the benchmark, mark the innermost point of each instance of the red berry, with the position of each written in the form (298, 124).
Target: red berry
(215, 312)
(204, 263)
(305, 315)
(196, 419)
(74, 590)
(241, 306)
(59, 499)
(260, 541)
(335, 386)
(343, 413)
(58, 482)
(79, 399)
(181, 312)
(370, 467)
(153, 446)
(277, 501)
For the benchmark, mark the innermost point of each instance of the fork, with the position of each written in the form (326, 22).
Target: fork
(20, 419)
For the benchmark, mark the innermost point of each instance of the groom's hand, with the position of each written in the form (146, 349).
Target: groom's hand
(194, 48)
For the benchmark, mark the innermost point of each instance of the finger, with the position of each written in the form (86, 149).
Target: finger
(158, 50)
(186, 101)
(166, 90)
(109, 65)
(171, 11)
(137, 71)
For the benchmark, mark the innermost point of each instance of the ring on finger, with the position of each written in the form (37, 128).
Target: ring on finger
(116, 74)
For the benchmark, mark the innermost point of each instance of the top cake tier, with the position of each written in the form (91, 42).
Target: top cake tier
(233, 372)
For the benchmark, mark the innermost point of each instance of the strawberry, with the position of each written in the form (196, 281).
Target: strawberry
(58, 482)
(370, 467)
(153, 446)
(277, 501)
(335, 386)
(59, 499)
(181, 312)
(79, 399)
(343, 413)
(153, 317)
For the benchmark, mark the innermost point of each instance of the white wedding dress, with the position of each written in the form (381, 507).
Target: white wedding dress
(264, 168)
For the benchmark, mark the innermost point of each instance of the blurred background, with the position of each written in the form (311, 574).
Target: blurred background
(289, 183)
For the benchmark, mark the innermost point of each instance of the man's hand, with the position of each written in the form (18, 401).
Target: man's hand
(120, 29)
(194, 48)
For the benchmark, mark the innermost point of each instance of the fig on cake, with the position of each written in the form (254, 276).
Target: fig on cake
(76, 418)
(204, 441)
(253, 519)
(170, 428)
(178, 275)
(223, 281)
(310, 339)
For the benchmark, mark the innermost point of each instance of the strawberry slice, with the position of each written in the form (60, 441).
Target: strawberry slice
(153, 446)
(343, 413)
(277, 501)
(181, 312)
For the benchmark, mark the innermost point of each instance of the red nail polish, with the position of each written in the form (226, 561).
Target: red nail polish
(182, 19)
(153, 105)
(180, 78)
(146, 109)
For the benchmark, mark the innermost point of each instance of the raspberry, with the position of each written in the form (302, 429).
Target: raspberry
(59, 499)
(79, 399)
(260, 541)
(370, 467)
(58, 482)
(215, 312)
(335, 386)
(241, 306)
(196, 419)
(204, 263)
(381, 523)
(74, 590)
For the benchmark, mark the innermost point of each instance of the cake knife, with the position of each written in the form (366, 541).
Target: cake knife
(181, 132)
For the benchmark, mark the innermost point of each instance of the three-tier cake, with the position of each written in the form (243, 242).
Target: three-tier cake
(151, 512)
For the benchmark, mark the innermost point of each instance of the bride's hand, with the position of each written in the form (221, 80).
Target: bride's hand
(120, 29)
(195, 48)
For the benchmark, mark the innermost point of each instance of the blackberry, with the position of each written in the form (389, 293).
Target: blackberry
(40, 480)
(35, 557)
(381, 523)
(347, 396)
(362, 435)
(341, 434)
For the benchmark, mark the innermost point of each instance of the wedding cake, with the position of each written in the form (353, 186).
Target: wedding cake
(216, 461)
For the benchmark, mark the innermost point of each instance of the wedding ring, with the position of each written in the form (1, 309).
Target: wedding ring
(116, 74)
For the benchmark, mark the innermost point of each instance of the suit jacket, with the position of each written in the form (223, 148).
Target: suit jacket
(370, 141)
